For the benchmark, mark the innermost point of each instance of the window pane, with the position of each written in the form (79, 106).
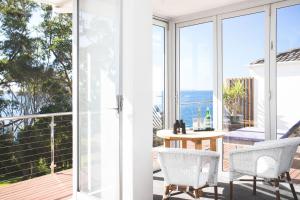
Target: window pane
(288, 69)
(196, 73)
(243, 81)
(158, 80)
(98, 82)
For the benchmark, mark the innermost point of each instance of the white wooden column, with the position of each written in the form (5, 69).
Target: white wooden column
(137, 93)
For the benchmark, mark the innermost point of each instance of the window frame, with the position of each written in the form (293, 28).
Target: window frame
(212, 20)
(273, 63)
(217, 15)
(165, 26)
(240, 13)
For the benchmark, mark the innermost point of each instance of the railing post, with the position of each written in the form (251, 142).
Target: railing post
(52, 125)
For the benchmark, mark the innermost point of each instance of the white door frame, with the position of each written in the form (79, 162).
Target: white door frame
(75, 44)
(266, 10)
(75, 106)
(273, 63)
(136, 119)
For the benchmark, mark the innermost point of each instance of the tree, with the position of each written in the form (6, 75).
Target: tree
(36, 71)
(35, 77)
(232, 96)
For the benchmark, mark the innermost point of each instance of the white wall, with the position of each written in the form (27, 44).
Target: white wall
(288, 93)
(257, 72)
(137, 91)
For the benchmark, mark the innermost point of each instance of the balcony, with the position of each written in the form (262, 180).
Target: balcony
(36, 157)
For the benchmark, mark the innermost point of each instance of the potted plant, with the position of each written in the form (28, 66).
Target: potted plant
(232, 96)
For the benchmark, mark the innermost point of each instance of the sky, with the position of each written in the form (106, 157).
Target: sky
(243, 43)
(158, 37)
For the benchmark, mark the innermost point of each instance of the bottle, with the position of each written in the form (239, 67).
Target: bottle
(176, 127)
(182, 125)
(207, 119)
(199, 121)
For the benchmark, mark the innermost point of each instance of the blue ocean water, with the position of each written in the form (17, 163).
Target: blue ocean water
(192, 104)
(195, 103)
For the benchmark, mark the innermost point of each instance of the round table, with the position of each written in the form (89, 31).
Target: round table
(195, 137)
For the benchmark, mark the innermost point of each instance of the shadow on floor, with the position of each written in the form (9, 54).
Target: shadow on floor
(242, 191)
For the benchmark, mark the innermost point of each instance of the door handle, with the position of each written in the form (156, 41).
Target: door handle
(119, 107)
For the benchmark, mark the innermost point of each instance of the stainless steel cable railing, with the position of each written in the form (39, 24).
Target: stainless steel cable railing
(34, 145)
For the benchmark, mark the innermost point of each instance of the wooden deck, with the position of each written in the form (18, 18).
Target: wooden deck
(49, 187)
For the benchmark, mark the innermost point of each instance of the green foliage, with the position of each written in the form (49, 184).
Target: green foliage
(232, 96)
(38, 65)
(42, 166)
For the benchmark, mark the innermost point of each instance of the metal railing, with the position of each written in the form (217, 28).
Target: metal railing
(194, 109)
(157, 118)
(34, 145)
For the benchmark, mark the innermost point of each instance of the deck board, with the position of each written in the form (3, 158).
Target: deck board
(49, 187)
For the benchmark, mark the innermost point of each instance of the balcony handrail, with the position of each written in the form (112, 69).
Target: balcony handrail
(35, 116)
(195, 102)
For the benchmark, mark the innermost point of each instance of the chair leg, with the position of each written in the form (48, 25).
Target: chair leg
(166, 193)
(277, 189)
(254, 185)
(288, 177)
(231, 190)
(216, 192)
(197, 193)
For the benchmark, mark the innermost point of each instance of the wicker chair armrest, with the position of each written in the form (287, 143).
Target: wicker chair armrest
(245, 160)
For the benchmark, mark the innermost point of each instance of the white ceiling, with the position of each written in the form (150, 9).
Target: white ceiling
(176, 8)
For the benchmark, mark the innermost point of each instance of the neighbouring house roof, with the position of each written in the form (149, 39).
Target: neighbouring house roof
(291, 55)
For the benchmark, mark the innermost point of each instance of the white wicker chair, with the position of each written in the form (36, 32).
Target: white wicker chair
(270, 160)
(188, 170)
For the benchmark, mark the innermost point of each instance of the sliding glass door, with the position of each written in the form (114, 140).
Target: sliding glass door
(285, 74)
(287, 70)
(196, 78)
(243, 45)
(243, 73)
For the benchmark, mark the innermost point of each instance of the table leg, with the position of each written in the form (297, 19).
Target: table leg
(167, 143)
(213, 144)
(183, 144)
(198, 144)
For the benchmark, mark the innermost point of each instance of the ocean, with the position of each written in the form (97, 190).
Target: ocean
(192, 104)
(195, 103)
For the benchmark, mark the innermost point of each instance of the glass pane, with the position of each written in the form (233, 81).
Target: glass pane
(288, 69)
(288, 78)
(158, 82)
(243, 81)
(196, 74)
(98, 87)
